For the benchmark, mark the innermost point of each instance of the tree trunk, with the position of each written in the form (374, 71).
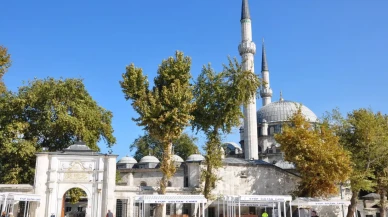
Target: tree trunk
(353, 204)
(383, 202)
(168, 170)
(207, 188)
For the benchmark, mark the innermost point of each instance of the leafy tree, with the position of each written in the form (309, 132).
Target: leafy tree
(363, 133)
(219, 97)
(5, 63)
(75, 195)
(47, 113)
(184, 146)
(317, 155)
(165, 110)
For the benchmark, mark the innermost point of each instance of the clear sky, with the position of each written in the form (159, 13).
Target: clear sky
(324, 54)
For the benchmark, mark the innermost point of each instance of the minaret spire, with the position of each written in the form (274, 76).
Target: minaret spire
(247, 50)
(264, 65)
(245, 10)
(266, 91)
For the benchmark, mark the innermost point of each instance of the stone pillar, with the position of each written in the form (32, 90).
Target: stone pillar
(40, 188)
(194, 173)
(130, 179)
(130, 206)
(109, 183)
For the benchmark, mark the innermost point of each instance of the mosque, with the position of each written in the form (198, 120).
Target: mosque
(255, 167)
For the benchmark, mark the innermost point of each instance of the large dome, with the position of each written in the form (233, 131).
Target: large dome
(281, 111)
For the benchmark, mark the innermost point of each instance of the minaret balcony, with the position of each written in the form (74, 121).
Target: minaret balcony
(266, 92)
(247, 47)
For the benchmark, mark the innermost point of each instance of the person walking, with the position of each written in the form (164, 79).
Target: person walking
(109, 214)
(3, 214)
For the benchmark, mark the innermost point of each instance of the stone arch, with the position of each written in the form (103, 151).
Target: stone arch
(63, 190)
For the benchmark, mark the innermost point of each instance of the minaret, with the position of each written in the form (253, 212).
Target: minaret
(265, 91)
(247, 49)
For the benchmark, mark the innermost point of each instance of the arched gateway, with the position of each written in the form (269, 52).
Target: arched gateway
(75, 167)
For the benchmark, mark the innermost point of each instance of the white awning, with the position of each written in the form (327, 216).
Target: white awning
(171, 198)
(258, 198)
(257, 204)
(11, 196)
(308, 201)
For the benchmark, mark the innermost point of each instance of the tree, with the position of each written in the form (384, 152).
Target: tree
(184, 146)
(5, 63)
(219, 97)
(363, 133)
(165, 110)
(317, 155)
(75, 194)
(47, 113)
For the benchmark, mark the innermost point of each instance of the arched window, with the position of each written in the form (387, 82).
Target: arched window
(143, 184)
(169, 184)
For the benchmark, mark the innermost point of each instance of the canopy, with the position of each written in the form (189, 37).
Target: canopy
(258, 198)
(171, 199)
(158, 198)
(7, 200)
(19, 197)
(234, 202)
(308, 201)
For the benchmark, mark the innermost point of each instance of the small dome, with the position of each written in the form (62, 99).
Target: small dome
(177, 159)
(78, 146)
(281, 111)
(149, 159)
(195, 157)
(127, 160)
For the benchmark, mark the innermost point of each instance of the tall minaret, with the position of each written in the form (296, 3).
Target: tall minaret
(247, 49)
(265, 91)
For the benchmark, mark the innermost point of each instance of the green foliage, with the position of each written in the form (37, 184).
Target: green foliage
(317, 154)
(75, 195)
(165, 110)
(5, 63)
(184, 146)
(365, 134)
(47, 113)
(61, 112)
(219, 97)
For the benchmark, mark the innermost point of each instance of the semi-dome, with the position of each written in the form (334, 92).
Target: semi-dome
(281, 111)
(177, 159)
(195, 157)
(127, 160)
(149, 159)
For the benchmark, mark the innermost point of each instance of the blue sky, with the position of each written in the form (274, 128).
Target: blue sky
(325, 54)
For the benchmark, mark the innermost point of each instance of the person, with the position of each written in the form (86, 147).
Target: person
(264, 214)
(314, 213)
(3, 214)
(109, 214)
